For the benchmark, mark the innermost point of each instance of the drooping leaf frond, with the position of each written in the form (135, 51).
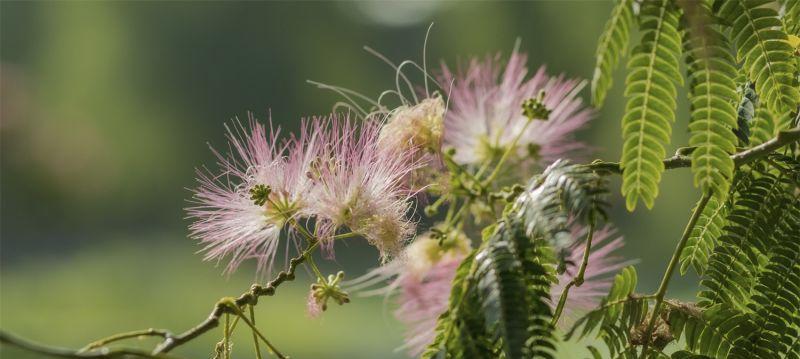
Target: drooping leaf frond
(562, 193)
(712, 94)
(650, 111)
(764, 50)
(612, 46)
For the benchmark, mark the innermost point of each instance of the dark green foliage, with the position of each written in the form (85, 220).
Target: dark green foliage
(791, 17)
(612, 46)
(562, 193)
(712, 332)
(616, 317)
(499, 303)
(747, 239)
(651, 92)
(775, 301)
(500, 299)
(745, 113)
(763, 48)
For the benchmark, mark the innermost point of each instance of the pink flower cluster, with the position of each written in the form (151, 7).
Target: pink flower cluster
(335, 173)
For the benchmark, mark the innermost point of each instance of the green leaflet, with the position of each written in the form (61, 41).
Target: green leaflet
(712, 93)
(704, 236)
(611, 47)
(763, 127)
(650, 111)
(763, 48)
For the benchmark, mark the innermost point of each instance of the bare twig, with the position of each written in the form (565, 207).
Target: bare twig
(680, 160)
(56, 352)
(247, 298)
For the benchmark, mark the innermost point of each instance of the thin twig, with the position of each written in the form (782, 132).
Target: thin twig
(578, 280)
(255, 338)
(680, 160)
(127, 335)
(248, 298)
(56, 352)
(662, 288)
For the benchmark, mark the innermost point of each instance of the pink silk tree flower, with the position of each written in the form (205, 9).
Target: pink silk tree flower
(485, 112)
(421, 278)
(361, 186)
(422, 282)
(240, 210)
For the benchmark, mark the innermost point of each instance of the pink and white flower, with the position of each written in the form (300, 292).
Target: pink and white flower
(227, 221)
(485, 112)
(421, 281)
(361, 185)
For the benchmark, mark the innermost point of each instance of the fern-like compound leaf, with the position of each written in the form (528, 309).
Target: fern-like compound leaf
(703, 238)
(763, 48)
(712, 92)
(746, 241)
(775, 302)
(612, 46)
(618, 314)
(710, 333)
(650, 111)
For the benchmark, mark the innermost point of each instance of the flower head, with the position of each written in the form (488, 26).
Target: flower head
(324, 290)
(485, 112)
(239, 211)
(415, 126)
(361, 185)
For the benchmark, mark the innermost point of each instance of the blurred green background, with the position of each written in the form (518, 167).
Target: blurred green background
(107, 109)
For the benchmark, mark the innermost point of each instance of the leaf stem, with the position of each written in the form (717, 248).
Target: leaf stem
(255, 330)
(578, 279)
(662, 288)
(511, 147)
(255, 337)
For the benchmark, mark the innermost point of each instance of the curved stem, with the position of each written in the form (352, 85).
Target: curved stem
(55, 352)
(127, 335)
(249, 297)
(662, 288)
(578, 279)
